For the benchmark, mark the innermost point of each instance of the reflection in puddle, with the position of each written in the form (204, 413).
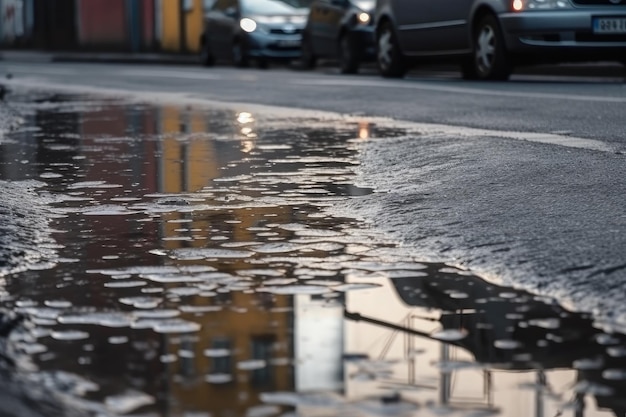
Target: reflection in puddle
(181, 263)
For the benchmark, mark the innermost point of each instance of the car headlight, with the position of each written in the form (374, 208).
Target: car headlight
(248, 25)
(363, 18)
(519, 5)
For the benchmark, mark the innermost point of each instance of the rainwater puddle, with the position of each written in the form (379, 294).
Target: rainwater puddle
(178, 261)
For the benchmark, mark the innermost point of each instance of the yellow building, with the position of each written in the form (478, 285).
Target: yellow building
(181, 25)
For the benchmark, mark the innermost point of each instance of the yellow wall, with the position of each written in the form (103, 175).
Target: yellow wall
(170, 21)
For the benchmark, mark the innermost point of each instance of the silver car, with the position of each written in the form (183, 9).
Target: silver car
(490, 37)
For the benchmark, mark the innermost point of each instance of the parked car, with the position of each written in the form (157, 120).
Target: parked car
(264, 30)
(342, 30)
(490, 37)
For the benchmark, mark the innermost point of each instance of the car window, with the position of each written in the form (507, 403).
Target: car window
(265, 7)
(364, 4)
(222, 5)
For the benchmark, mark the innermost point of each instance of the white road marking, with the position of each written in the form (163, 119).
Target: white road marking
(170, 74)
(408, 84)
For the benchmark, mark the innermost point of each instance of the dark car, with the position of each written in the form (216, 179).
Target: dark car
(342, 30)
(264, 30)
(490, 37)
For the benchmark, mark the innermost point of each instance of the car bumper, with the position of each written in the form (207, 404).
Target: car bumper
(261, 45)
(563, 33)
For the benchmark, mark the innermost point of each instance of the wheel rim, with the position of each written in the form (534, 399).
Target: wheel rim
(385, 49)
(485, 49)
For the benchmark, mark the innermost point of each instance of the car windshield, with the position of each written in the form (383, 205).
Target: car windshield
(366, 5)
(269, 7)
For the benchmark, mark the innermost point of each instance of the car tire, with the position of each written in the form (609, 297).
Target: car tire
(240, 59)
(308, 60)
(391, 61)
(206, 56)
(489, 59)
(348, 55)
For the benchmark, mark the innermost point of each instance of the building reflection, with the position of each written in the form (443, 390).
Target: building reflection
(508, 352)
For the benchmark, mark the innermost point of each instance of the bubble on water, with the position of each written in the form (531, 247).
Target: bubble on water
(26, 303)
(156, 314)
(170, 358)
(183, 291)
(355, 286)
(614, 374)
(57, 303)
(262, 272)
(186, 353)
(294, 289)
(118, 340)
(142, 302)
(449, 335)
(33, 348)
(507, 295)
(251, 365)
(207, 253)
(91, 184)
(105, 319)
(49, 175)
(218, 378)
(279, 247)
(128, 401)
(507, 344)
(125, 284)
(592, 388)
(217, 353)
(69, 335)
(606, 339)
(457, 295)
(547, 323)
(616, 351)
(452, 366)
(175, 326)
(158, 252)
(172, 278)
(110, 257)
(239, 244)
(199, 309)
(40, 312)
(134, 270)
(279, 281)
(299, 272)
(108, 210)
(586, 364)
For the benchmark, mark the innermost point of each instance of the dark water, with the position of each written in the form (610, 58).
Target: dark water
(181, 261)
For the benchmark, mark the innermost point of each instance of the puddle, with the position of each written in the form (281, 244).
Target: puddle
(179, 261)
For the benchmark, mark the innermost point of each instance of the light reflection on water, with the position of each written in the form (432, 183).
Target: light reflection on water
(198, 273)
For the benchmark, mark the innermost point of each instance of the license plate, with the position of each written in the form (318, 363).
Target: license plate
(287, 43)
(609, 25)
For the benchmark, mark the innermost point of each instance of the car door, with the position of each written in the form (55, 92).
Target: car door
(325, 24)
(432, 27)
(220, 27)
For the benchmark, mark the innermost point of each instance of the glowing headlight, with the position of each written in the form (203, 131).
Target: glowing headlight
(519, 5)
(364, 18)
(247, 24)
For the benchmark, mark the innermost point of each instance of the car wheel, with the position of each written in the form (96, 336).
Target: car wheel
(489, 60)
(308, 59)
(239, 55)
(206, 56)
(348, 56)
(391, 62)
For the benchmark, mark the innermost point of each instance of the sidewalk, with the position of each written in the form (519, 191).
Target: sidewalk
(114, 57)
(593, 69)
